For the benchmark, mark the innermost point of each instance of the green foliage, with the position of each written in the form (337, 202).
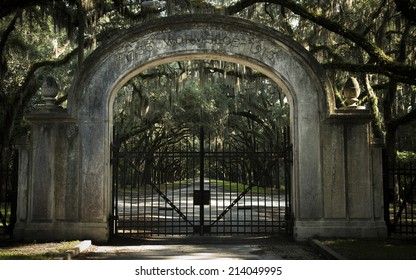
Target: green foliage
(240, 187)
(190, 91)
(406, 158)
(5, 210)
(204, 94)
(161, 108)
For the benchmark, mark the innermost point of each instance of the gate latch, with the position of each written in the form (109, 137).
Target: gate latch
(202, 198)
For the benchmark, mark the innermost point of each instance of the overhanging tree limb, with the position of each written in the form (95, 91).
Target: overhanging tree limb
(25, 92)
(3, 40)
(403, 120)
(373, 51)
(376, 54)
(253, 117)
(400, 73)
(407, 8)
(7, 32)
(8, 7)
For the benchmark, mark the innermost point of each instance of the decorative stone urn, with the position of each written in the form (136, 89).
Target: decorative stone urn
(50, 90)
(351, 92)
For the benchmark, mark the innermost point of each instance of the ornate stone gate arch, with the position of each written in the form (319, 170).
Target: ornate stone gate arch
(67, 191)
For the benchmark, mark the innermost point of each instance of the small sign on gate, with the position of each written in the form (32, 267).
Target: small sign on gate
(202, 198)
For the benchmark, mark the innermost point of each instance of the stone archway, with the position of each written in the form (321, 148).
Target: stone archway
(333, 163)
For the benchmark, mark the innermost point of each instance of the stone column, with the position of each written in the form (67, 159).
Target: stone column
(362, 166)
(48, 190)
(352, 175)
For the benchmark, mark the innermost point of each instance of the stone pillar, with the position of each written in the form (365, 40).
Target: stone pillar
(352, 176)
(49, 204)
(363, 167)
(50, 147)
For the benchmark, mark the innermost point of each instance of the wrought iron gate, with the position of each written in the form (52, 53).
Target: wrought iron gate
(400, 197)
(8, 194)
(201, 185)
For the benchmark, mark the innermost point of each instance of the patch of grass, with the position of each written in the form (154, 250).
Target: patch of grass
(23, 256)
(148, 189)
(374, 249)
(240, 187)
(35, 251)
(227, 185)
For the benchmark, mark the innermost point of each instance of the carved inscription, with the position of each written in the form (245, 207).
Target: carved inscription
(197, 38)
(218, 40)
(133, 51)
(215, 40)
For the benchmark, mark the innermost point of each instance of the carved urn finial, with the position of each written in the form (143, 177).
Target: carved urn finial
(351, 92)
(50, 90)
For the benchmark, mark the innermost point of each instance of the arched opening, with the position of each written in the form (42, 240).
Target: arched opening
(201, 147)
(183, 38)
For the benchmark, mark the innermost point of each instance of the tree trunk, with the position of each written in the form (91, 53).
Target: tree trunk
(391, 130)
